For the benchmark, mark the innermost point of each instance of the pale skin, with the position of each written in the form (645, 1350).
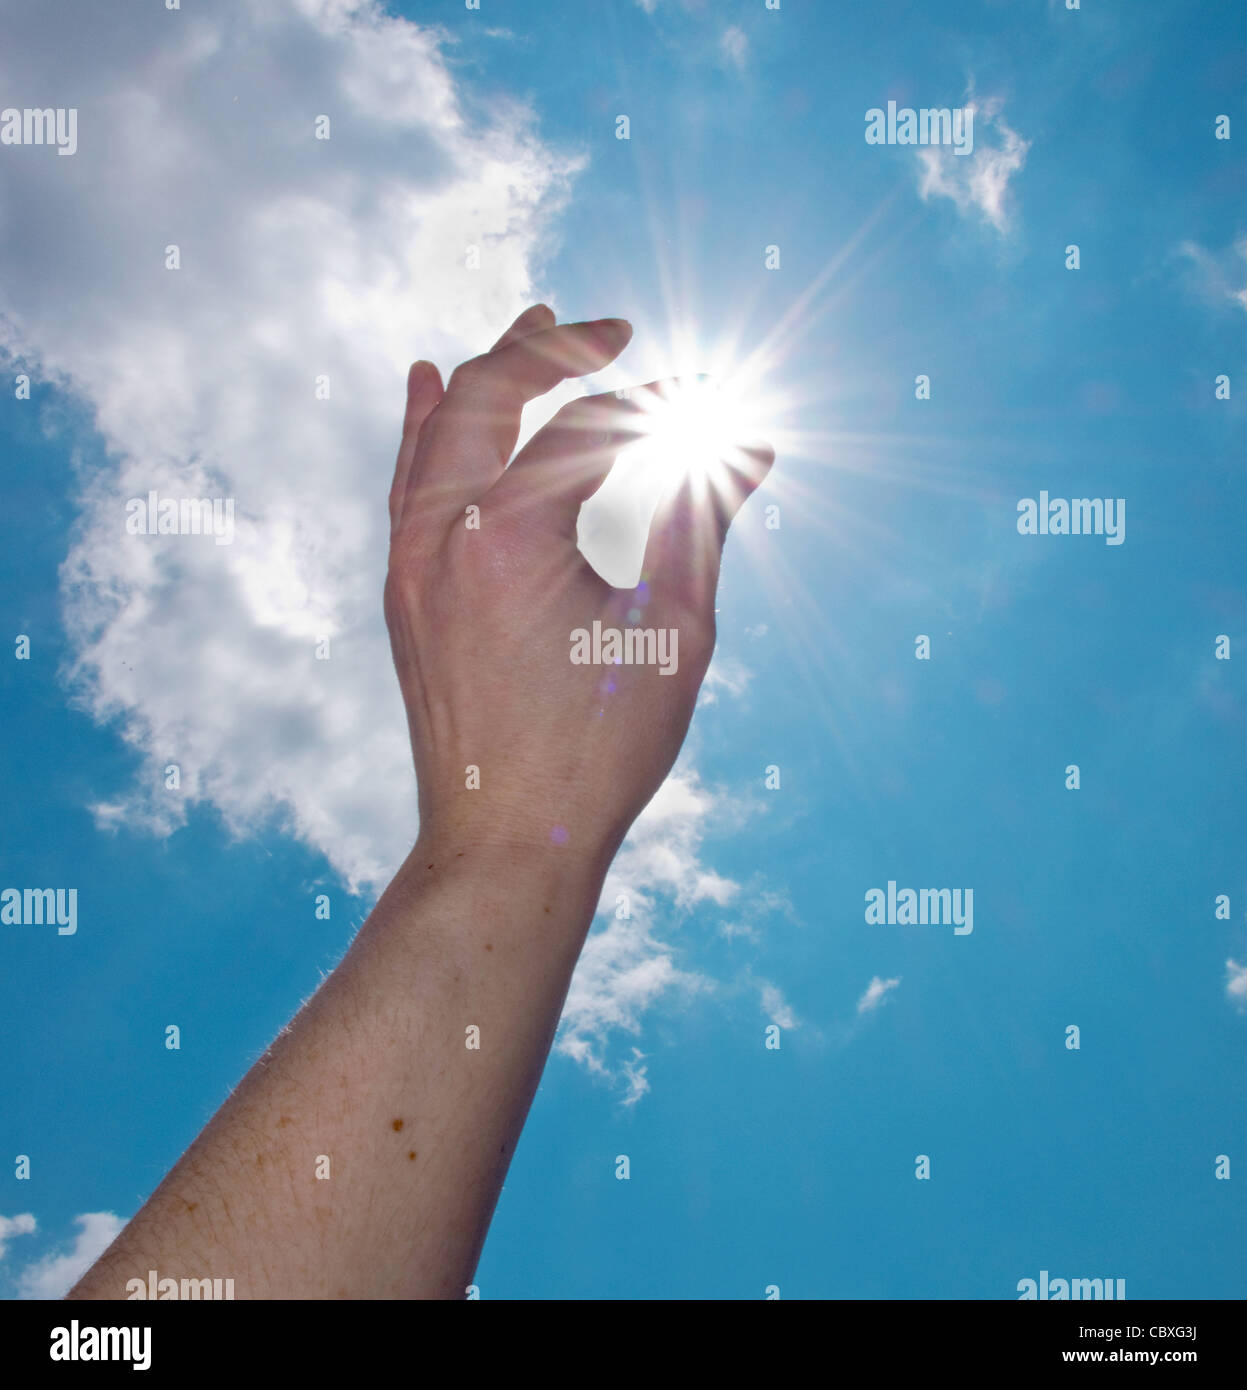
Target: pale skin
(482, 926)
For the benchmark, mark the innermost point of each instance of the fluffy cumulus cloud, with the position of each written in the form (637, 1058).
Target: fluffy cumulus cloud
(977, 182)
(268, 370)
(10, 1226)
(55, 1274)
(339, 259)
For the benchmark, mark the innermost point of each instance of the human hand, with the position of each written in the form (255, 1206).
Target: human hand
(486, 587)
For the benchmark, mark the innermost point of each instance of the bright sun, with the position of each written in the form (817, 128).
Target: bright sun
(695, 427)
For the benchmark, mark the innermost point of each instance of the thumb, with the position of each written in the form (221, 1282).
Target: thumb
(690, 525)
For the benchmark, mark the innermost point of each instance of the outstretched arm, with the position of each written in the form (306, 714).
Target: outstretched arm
(412, 1069)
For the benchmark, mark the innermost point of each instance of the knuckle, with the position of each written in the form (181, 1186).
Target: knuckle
(573, 424)
(572, 412)
(591, 420)
(468, 374)
(412, 553)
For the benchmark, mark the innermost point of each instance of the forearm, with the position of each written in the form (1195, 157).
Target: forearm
(363, 1155)
(378, 1082)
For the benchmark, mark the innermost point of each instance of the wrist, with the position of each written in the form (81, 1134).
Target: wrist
(499, 890)
(525, 848)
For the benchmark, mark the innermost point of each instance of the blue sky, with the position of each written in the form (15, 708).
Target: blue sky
(1093, 907)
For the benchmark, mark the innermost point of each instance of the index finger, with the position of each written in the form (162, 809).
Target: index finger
(467, 440)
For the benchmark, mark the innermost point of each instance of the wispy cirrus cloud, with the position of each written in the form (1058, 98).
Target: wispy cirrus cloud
(1236, 983)
(980, 181)
(776, 1007)
(734, 46)
(876, 992)
(1218, 277)
(724, 676)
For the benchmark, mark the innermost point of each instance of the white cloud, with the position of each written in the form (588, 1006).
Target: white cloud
(661, 853)
(626, 969)
(1219, 276)
(734, 45)
(299, 257)
(979, 180)
(634, 1075)
(10, 1226)
(623, 971)
(876, 992)
(55, 1274)
(776, 1007)
(753, 906)
(1236, 983)
(724, 674)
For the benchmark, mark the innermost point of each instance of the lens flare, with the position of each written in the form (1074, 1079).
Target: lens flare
(694, 428)
(707, 408)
